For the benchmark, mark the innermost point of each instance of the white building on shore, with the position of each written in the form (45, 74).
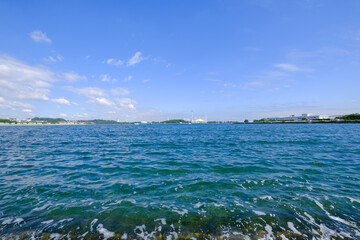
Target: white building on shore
(305, 116)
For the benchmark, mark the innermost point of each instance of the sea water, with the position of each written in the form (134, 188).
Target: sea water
(203, 181)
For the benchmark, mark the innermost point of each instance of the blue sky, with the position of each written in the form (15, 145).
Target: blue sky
(155, 60)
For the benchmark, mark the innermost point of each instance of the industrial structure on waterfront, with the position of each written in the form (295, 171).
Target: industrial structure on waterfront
(302, 117)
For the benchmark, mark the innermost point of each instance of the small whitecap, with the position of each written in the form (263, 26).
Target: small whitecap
(18, 220)
(92, 224)
(198, 205)
(7, 221)
(55, 236)
(162, 220)
(182, 212)
(42, 208)
(47, 222)
(219, 205)
(259, 213)
(292, 228)
(107, 234)
(266, 198)
(283, 237)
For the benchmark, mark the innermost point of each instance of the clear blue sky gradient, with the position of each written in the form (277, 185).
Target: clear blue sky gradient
(228, 60)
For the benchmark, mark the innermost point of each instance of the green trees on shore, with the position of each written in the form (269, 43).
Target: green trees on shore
(350, 117)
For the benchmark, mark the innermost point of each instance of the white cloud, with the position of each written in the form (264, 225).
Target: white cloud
(114, 62)
(73, 77)
(120, 91)
(54, 59)
(62, 115)
(8, 104)
(128, 78)
(62, 101)
(146, 80)
(256, 84)
(102, 101)
(21, 81)
(229, 85)
(212, 80)
(27, 110)
(101, 97)
(107, 78)
(90, 92)
(137, 58)
(288, 67)
(126, 104)
(39, 37)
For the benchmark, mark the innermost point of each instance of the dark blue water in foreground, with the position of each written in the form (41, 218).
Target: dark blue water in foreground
(180, 181)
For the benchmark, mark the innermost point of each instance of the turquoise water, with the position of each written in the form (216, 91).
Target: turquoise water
(180, 181)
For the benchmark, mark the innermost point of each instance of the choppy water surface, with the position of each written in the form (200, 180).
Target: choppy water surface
(180, 181)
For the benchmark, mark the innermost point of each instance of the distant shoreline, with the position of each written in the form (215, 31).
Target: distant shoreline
(248, 123)
(319, 122)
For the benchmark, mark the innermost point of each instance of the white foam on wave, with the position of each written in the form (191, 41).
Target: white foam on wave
(269, 235)
(173, 233)
(55, 236)
(292, 228)
(266, 198)
(107, 234)
(283, 237)
(84, 234)
(92, 224)
(7, 221)
(47, 222)
(118, 202)
(18, 220)
(66, 220)
(259, 213)
(141, 232)
(162, 220)
(237, 203)
(198, 205)
(42, 208)
(311, 219)
(182, 212)
(334, 217)
(219, 205)
(353, 200)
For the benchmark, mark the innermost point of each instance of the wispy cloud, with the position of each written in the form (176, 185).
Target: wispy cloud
(73, 77)
(128, 78)
(120, 91)
(89, 92)
(26, 110)
(39, 37)
(212, 80)
(126, 104)
(62, 101)
(10, 104)
(24, 82)
(102, 101)
(54, 58)
(102, 97)
(288, 67)
(256, 84)
(114, 62)
(137, 58)
(107, 78)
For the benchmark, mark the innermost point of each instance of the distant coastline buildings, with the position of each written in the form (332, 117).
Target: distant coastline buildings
(302, 117)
